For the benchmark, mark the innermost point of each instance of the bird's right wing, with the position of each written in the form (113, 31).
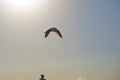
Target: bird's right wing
(47, 33)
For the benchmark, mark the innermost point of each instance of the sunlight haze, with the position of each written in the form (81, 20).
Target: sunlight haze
(89, 50)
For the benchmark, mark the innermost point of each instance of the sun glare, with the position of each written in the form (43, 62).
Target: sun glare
(21, 2)
(23, 5)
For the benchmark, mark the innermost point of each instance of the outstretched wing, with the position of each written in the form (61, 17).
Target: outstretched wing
(58, 33)
(47, 32)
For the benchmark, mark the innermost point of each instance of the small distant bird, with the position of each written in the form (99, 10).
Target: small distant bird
(53, 30)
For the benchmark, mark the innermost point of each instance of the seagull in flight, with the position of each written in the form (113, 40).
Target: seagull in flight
(53, 30)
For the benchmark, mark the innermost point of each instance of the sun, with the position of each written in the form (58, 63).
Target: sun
(23, 5)
(21, 2)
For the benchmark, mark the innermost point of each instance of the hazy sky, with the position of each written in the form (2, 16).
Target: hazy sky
(89, 50)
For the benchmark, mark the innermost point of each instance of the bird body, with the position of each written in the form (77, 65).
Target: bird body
(53, 30)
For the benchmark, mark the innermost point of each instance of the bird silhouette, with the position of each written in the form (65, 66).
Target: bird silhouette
(53, 30)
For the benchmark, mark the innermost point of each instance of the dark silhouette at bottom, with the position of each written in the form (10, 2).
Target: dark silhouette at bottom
(42, 77)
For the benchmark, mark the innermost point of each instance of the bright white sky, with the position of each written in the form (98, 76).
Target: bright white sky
(89, 49)
(24, 5)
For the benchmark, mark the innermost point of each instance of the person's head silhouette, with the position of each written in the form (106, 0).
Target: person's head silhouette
(42, 77)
